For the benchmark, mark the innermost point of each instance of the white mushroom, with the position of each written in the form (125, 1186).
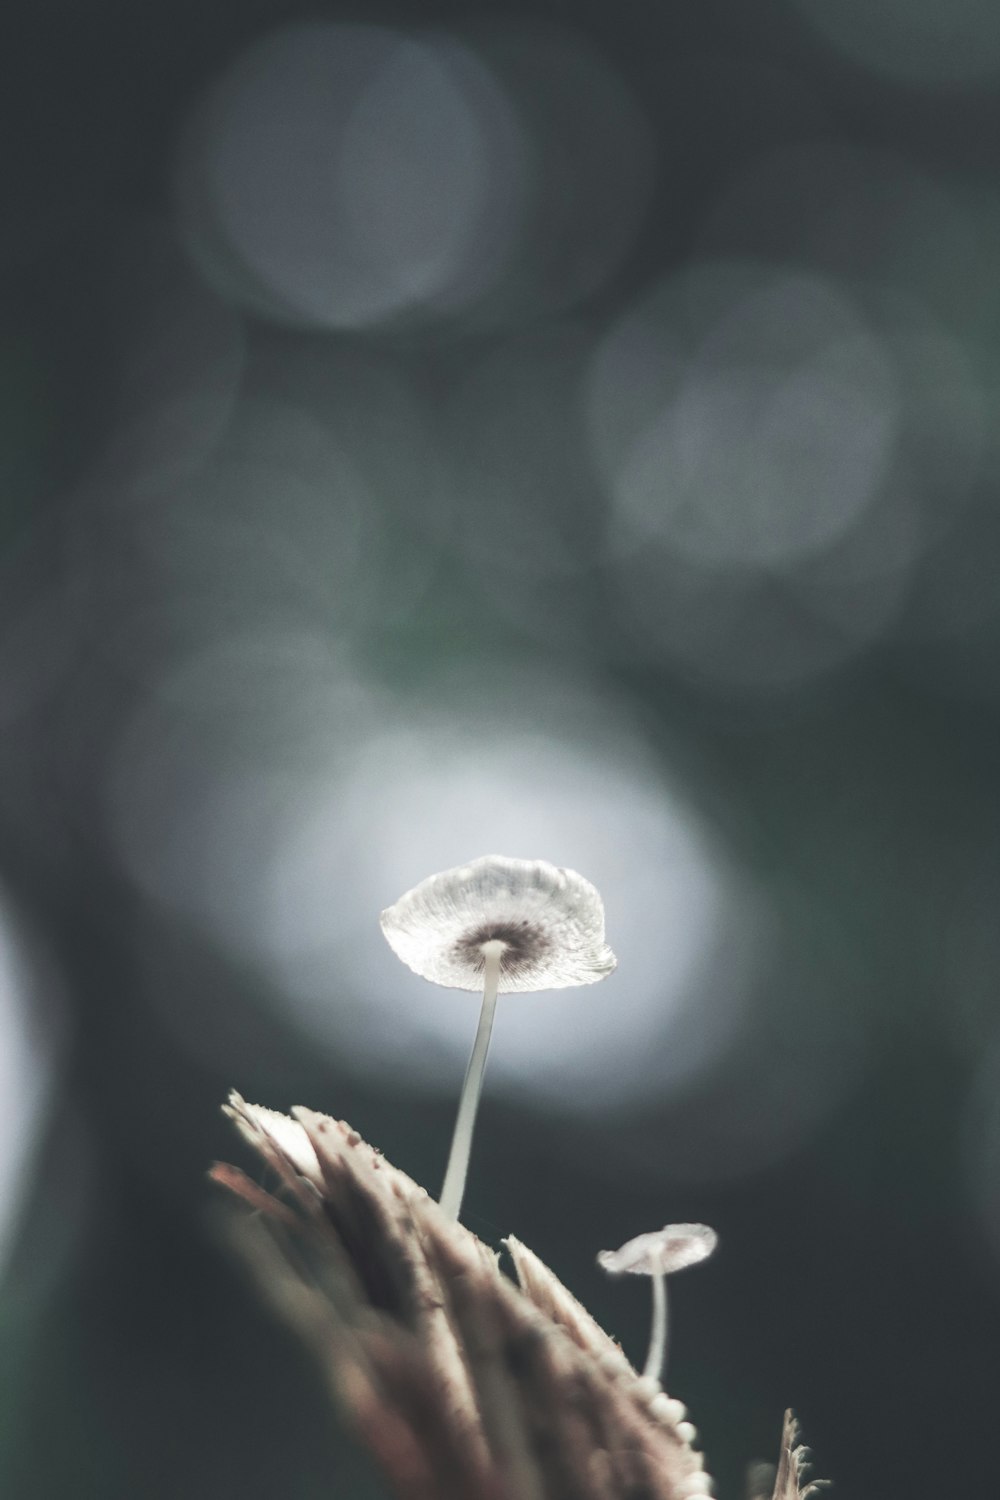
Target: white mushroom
(658, 1255)
(499, 925)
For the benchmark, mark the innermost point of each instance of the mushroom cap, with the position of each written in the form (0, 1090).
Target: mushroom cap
(661, 1252)
(549, 920)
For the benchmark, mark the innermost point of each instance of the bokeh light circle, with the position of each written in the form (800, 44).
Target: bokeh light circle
(359, 177)
(31, 1040)
(345, 174)
(746, 419)
(769, 443)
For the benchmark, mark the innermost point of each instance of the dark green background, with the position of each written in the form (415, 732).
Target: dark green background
(857, 1281)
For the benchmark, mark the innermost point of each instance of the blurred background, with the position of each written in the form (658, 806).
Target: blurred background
(561, 431)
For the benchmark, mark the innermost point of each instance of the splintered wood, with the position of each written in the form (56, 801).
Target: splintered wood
(462, 1385)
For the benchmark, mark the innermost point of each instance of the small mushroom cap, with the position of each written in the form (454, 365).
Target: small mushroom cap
(547, 923)
(662, 1252)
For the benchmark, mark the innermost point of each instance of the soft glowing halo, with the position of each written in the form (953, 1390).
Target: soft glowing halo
(286, 860)
(414, 798)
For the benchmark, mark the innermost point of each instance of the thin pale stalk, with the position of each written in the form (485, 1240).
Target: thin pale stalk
(461, 1142)
(658, 1332)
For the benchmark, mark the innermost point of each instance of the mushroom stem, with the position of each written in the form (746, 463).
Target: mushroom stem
(461, 1141)
(658, 1332)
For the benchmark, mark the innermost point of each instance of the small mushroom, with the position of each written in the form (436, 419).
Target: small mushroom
(497, 925)
(658, 1255)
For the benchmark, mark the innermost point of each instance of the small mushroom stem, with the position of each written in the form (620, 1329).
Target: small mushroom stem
(461, 1141)
(658, 1331)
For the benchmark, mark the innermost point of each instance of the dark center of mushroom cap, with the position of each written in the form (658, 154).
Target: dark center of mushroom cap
(523, 945)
